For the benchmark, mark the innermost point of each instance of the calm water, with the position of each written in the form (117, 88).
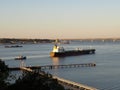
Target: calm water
(105, 76)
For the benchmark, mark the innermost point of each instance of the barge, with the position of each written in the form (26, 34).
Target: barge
(13, 46)
(61, 52)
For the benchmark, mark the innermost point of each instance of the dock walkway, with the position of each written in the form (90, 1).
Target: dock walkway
(56, 66)
(70, 85)
(73, 85)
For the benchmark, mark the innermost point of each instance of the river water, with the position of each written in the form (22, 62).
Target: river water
(105, 76)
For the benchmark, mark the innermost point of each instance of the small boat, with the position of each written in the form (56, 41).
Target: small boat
(61, 52)
(13, 46)
(21, 58)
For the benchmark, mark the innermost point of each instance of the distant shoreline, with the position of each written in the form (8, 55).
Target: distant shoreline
(36, 41)
(24, 41)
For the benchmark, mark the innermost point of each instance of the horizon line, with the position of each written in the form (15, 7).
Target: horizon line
(68, 38)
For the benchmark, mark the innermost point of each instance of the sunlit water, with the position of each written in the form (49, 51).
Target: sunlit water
(105, 76)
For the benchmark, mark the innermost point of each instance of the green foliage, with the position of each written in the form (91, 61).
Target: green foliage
(35, 81)
(3, 74)
(3, 67)
(28, 81)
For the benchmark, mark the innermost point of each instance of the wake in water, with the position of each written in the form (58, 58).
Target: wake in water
(39, 56)
(28, 57)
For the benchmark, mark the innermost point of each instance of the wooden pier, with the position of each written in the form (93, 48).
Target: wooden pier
(70, 85)
(73, 85)
(56, 66)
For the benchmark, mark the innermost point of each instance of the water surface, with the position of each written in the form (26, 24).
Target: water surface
(105, 76)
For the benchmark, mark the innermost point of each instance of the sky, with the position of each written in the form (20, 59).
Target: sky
(63, 19)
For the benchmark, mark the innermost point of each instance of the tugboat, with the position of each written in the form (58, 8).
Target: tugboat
(61, 52)
(21, 58)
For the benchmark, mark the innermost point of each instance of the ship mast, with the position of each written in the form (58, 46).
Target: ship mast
(57, 41)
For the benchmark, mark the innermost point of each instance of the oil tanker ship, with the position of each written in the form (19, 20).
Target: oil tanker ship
(61, 52)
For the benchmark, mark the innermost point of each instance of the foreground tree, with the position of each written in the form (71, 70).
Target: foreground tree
(28, 81)
(3, 74)
(35, 81)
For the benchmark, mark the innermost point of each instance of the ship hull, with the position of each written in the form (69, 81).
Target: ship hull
(72, 53)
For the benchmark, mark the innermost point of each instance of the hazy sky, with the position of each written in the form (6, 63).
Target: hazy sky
(59, 18)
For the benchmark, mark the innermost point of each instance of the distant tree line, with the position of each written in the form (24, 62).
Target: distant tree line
(14, 41)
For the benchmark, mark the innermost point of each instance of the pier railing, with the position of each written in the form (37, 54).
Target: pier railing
(57, 66)
(66, 83)
(68, 66)
(73, 85)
